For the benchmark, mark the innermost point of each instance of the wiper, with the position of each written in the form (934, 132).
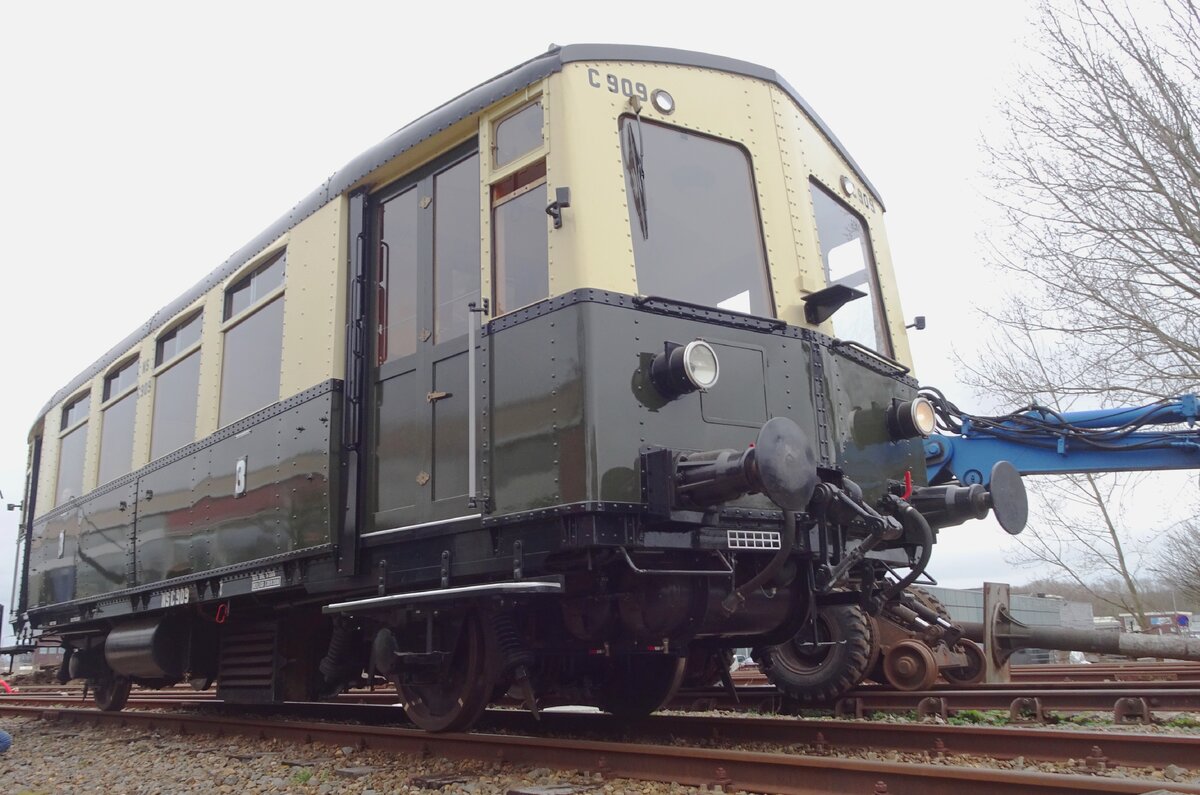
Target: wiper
(635, 165)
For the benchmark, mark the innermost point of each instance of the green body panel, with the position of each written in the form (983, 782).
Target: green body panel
(571, 405)
(180, 516)
(860, 398)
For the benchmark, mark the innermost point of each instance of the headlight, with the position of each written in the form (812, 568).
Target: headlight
(911, 418)
(700, 364)
(681, 369)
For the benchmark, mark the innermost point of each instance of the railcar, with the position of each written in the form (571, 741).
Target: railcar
(564, 389)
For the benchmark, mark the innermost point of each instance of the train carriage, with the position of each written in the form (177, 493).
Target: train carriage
(585, 377)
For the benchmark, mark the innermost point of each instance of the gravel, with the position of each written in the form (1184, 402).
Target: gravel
(48, 758)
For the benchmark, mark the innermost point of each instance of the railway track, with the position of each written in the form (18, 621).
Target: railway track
(1128, 702)
(1098, 672)
(799, 761)
(1108, 672)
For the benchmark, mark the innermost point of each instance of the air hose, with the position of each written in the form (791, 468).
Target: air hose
(912, 519)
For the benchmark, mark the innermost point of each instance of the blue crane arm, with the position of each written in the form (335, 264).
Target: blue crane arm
(1043, 442)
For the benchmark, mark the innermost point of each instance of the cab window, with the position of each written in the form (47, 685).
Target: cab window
(847, 259)
(693, 216)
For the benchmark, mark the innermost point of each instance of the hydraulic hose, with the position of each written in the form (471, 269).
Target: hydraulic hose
(911, 518)
(732, 602)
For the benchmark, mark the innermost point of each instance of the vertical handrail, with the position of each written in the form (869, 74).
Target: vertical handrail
(472, 409)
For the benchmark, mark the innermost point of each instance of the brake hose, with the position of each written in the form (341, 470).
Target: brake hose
(910, 517)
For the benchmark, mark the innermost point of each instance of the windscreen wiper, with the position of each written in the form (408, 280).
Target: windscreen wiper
(634, 164)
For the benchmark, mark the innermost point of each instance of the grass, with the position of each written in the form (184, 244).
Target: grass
(979, 717)
(1183, 722)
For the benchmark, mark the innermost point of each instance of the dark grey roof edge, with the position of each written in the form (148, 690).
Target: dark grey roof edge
(455, 110)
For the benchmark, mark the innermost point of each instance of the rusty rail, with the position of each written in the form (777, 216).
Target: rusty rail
(785, 774)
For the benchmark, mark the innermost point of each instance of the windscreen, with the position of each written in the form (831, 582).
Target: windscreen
(846, 254)
(694, 219)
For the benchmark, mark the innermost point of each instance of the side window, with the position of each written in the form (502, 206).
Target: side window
(176, 387)
(846, 254)
(517, 134)
(520, 225)
(520, 244)
(72, 447)
(455, 247)
(117, 418)
(399, 258)
(253, 341)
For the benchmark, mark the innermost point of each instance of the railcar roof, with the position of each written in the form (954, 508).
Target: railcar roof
(413, 133)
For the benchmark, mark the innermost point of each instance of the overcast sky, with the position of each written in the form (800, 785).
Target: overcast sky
(142, 143)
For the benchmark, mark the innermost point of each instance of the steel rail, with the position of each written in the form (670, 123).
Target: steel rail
(781, 774)
(819, 735)
(1087, 697)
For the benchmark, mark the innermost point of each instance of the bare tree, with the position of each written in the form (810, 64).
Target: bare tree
(1098, 178)
(1178, 561)
(1077, 530)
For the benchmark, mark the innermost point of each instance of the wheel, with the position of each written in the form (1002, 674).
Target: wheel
(457, 700)
(111, 691)
(973, 672)
(909, 665)
(636, 685)
(825, 659)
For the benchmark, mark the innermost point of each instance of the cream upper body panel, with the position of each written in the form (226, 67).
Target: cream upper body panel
(787, 151)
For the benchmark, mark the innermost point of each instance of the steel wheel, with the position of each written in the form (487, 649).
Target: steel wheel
(973, 672)
(635, 686)
(111, 692)
(909, 665)
(459, 697)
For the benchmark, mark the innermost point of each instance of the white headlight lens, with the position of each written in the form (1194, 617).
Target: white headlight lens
(700, 364)
(662, 101)
(923, 416)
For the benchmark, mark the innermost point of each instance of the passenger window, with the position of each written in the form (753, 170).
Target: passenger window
(72, 447)
(253, 355)
(693, 214)
(455, 247)
(398, 258)
(520, 239)
(118, 381)
(517, 134)
(178, 340)
(253, 344)
(176, 391)
(257, 284)
(117, 419)
(176, 388)
(846, 254)
(76, 410)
